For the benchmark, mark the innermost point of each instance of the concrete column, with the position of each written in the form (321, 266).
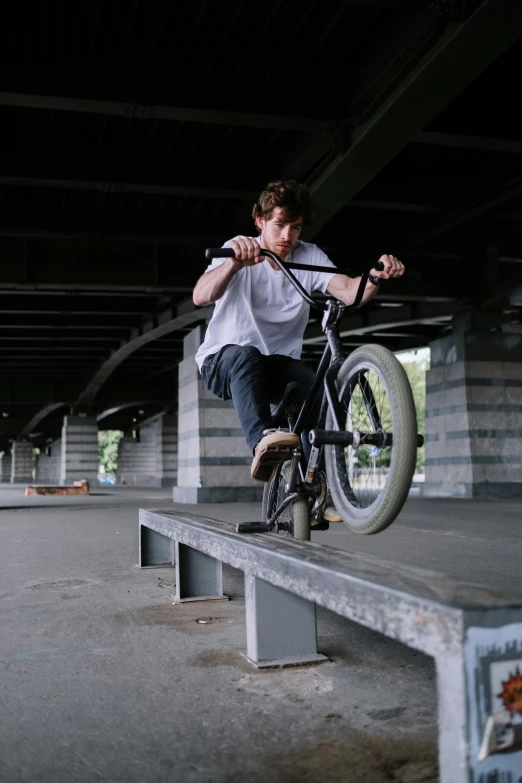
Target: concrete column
(48, 464)
(473, 416)
(213, 457)
(22, 462)
(150, 460)
(138, 459)
(169, 450)
(6, 467)
(127, 459)
(79, 453)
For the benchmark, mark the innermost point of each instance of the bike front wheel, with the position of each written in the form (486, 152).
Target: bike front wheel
(296, 516)
(369, 484)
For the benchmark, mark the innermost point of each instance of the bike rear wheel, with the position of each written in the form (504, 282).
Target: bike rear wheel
(369, 485)
(296, 516)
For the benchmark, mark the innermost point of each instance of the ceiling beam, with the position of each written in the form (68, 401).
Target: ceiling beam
(394, 206)
(80, 160)
(125, 187)
(86, 289)
(459, 57)
(119, 409)
(171, 113)
(467, 142)
(70, 223)
(66, 312)
(379, 320)
(382, 3)
(149, 420)
(67, 327)
(181, 317)
(38, 418)
(306, 154)
(485, 202)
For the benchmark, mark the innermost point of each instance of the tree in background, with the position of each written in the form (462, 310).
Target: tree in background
(108, 450)
(416, 372)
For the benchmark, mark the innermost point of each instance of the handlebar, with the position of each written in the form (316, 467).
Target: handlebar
(227, 252)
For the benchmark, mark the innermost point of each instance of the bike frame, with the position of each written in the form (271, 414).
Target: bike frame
(326, 374)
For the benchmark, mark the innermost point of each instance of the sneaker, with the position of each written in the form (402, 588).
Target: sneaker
(275, 447)
(330, 513)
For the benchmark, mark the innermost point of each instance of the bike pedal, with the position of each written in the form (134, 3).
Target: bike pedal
(252, 527)
(324, 525)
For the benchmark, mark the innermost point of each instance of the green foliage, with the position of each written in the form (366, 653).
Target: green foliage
(416, 373)
(36, 451)
(108, 450)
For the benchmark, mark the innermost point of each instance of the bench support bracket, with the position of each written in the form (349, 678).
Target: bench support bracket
(281, 627)
(198, 576)
(155, 549)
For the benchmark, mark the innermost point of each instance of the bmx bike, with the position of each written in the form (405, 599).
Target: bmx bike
(364, 445)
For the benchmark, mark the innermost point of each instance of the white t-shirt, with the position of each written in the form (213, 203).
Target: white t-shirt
(262, 308)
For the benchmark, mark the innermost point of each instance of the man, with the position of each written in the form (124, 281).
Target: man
(254, 340)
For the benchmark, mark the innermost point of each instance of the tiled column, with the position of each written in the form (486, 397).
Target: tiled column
(138, 462)
(48, 464)
(22, 462)
(151, 460)
(79, 458)
(128, 456)
(6, 467)
(169, 450)
(213, 457)
(474, 416)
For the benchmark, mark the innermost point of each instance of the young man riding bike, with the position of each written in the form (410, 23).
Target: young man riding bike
(253, 343)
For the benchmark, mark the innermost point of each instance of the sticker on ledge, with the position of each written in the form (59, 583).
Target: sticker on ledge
(494, 685)
(503, 731)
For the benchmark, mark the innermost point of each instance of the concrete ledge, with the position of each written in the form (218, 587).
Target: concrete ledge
(78, 488)
(217, 494)
(483, 489)
(470, 630)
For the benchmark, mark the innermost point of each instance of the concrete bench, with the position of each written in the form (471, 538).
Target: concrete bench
(473, 633)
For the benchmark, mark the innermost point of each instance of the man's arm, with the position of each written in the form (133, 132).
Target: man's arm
(212, 285)
(345, 288)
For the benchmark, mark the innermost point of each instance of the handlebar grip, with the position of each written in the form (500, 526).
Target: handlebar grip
(409, 274)
(219, 252)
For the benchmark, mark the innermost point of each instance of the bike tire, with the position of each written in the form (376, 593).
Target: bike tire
(373, 372)
(297, 515)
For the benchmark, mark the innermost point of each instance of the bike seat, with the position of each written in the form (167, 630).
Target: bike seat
(288, 406)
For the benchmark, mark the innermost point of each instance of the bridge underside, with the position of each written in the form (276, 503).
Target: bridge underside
(129, 147)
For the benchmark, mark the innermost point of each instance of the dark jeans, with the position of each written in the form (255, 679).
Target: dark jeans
(253, 382)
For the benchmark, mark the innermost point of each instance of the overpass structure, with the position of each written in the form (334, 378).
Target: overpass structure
(136, 137)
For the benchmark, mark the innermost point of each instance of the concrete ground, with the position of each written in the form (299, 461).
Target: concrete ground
(102, 678)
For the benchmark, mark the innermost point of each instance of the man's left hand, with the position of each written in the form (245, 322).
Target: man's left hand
(392, 268)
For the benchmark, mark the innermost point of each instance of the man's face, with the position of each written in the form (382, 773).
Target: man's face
(277, 234)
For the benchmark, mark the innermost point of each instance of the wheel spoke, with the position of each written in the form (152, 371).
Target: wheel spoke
(367, 409)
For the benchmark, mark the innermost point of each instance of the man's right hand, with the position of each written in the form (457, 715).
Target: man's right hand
(247, 252)
(212, 284)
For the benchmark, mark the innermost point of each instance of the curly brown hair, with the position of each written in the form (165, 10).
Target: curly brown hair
(293, 197)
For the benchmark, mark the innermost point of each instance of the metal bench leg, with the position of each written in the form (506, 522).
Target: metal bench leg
(155, 549)
(198, 576)
(281, 627)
